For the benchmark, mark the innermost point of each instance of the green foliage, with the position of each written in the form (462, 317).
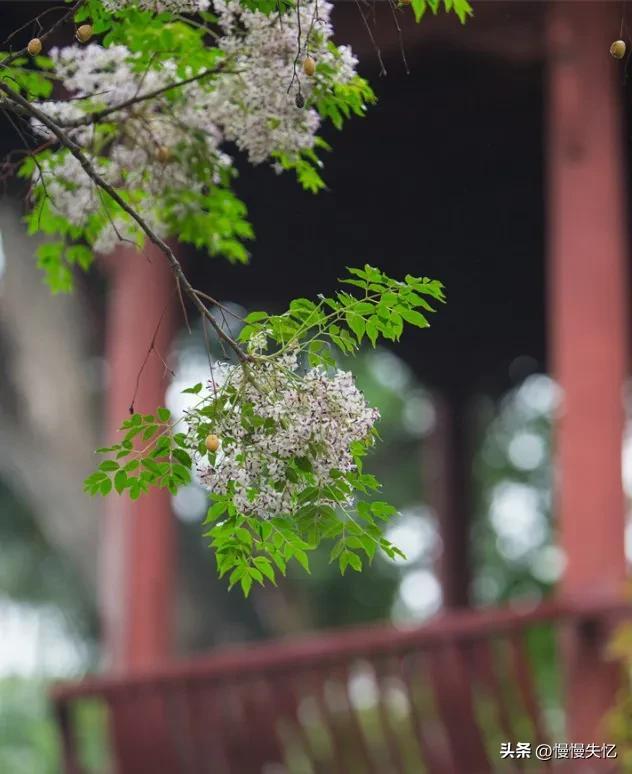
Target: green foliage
(29, 737)
(461, 8)
(341, 100)
(214, 219)
(156, 38)
(336, 104)
(250, 549)
(346, 320)
(30, 82)
(162, 461)
(208, 214)
(153, 453)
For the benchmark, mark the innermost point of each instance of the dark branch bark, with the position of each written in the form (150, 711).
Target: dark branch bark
(98, 115)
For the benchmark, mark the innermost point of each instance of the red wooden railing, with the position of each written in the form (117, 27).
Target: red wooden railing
(439, 698)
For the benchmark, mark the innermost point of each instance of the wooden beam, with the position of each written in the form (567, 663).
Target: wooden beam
(137, 567)
(588, 321)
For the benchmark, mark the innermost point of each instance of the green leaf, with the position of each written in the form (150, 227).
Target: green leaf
(105, 487)
(193, 390)
(151, 465)
(383, 510)
(265, 567)
(413, 317)
(357, 324)
(120, 481)
(254, 317)
(301, 558)
(246, 584)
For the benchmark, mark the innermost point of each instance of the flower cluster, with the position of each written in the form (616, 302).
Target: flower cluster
(158, 155)
(280, 437)
(281, 433)
(256, 107)
(166, 150)
(158, 6)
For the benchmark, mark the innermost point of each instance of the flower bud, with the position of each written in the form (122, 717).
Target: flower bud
(309, 66)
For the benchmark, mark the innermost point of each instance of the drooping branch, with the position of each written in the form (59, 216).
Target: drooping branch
(15, 98)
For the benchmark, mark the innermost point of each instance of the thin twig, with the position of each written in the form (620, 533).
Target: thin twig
(218, 304)
(185, 314)
(152, 348)
(378, 52)
(400, 35)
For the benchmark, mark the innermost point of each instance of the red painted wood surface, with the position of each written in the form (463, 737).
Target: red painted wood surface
(138, 537)
(447, 463)
(463, 683)
(588, 318)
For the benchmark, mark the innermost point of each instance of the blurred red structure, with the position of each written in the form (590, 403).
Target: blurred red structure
(137, 564)
(441, 698)
(589, 318)
(242, 700)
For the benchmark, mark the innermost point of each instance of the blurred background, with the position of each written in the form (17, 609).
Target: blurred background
(449, 176)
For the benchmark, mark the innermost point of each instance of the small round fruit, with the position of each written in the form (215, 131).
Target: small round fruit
(34, 47)
(309, 66)
(212, 443)
(163, 154)
(84, 33)
(617, 49)
(299, 100)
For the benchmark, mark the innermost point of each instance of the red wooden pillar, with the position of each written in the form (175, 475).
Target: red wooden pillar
(138, 537)
(587, 323)
(448, 480)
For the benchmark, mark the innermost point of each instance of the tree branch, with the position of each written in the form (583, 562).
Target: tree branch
(16, 98)
(93, 118)
(62, 20)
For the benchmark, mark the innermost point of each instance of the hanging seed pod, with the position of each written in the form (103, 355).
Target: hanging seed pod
(163, 154)
(84, 33)
(34, 47)
(212, 443)
(299, 100)
(309, 66)
(617, 49)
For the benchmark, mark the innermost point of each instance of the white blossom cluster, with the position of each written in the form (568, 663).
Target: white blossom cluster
(155, 152)
(165, 150)
(256, 106)
(316, 416)
(172, 6)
